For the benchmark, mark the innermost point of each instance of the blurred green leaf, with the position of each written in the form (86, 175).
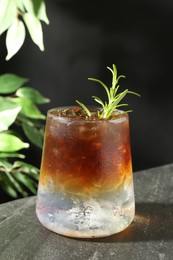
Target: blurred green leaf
(29, 109)
(8, 12)
(33, 134)
(16, 185)
(37, 8)
(26, 181)
(18, 178)
(26, 168)
(15, 38)
(35, 29)
(6, 103)
(5, 184)
(12, 155)
(6, 165)
(9, 83)
(32, 94)
(20, 5)
(11, 143)
(7, 117)
(8, 112)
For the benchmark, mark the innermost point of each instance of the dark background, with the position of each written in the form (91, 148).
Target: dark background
(83, 38)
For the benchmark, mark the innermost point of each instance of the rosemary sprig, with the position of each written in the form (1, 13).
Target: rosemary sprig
(84, 107)
(114, 98)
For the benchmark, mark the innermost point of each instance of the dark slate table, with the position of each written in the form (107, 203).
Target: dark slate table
(150, 236)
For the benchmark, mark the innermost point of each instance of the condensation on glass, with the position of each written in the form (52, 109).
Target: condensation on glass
(86, 183)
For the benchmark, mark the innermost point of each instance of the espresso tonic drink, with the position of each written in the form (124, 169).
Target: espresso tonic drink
(86, 183)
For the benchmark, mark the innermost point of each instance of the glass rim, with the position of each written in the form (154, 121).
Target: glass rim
(121, 114)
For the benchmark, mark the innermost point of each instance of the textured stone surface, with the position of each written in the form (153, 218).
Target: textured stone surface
(150, 236)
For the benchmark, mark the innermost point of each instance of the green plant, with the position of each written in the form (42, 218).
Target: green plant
(114, 98)
(20, 117)
(15, 16)
(18, 108)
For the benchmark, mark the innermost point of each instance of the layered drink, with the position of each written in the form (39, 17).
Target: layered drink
(86, 183)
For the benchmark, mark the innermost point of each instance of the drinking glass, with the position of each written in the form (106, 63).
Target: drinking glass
(86, 182)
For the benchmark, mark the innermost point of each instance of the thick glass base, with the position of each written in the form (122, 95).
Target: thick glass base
(76, 216)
